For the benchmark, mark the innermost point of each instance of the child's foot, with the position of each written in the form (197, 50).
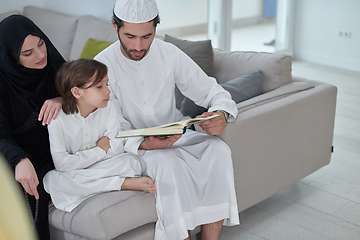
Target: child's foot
(139, 183)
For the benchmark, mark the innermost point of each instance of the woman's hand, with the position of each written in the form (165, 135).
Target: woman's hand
(214, 126)
(50, 110)
(26, 175)
(154, 142)
(104, 143)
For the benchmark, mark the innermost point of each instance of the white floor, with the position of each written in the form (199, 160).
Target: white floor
(326, 204)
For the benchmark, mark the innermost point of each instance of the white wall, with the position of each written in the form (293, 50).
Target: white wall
(175, 13)
(246, 8)
(316, 32)
(8, 5)
(99, 8)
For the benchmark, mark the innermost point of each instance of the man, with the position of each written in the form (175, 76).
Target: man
(193, 173)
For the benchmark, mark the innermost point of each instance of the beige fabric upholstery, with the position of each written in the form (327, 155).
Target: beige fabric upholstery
(281, 92)
(279, 143)
(7, 14)
(91, 27)
(60, 28)
(276, 67)
(107, 215)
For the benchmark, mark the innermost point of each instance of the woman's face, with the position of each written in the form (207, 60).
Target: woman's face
(33, 53)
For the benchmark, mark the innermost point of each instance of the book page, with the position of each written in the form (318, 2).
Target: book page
(198, 120)
(165, 130)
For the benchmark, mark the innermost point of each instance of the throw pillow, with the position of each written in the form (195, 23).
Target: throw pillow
(200, 52)
(240, 89)
(93, 47)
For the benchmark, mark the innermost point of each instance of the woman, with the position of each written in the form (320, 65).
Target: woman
(28, 102)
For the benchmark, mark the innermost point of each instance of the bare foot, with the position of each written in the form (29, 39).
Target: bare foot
(140, 184)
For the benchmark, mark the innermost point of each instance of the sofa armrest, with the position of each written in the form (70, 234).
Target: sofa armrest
(278, 143)
(278, 93)
(275, 66)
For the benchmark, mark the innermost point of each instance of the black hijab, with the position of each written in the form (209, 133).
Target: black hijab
(32, 86)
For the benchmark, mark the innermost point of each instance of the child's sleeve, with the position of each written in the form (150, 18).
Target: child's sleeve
(63, 160)
(112, 129)
(129, 145)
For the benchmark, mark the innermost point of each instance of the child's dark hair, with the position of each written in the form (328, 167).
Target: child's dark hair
(77, 73)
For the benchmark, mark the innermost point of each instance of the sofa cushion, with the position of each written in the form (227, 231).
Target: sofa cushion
(275, 66)
(93, 47)
(91, 27)
(106, 215)
(60, 28)
(240, 89)
(200, 52)
(7, 14)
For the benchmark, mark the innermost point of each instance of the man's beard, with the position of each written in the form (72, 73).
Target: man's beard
(128, 52)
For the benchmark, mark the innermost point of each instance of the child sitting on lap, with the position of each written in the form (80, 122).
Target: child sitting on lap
(87, 156)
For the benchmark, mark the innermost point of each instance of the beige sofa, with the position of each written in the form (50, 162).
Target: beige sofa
(278, 138)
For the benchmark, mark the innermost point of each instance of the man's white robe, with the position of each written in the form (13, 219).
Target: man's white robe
(194, 178)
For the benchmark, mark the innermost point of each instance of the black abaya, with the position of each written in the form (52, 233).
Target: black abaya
(23, 91)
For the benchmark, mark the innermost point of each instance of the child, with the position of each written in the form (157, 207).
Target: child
(87, 156)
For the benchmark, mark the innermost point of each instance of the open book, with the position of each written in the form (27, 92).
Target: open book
(165, 130)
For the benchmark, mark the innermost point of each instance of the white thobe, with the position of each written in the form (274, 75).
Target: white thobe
(82, 168)
(194, 178)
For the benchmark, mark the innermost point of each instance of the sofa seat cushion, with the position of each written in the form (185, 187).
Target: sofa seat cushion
(275, 66)
(240, 89)
(106, 215)
(91, 27)
(59, 28)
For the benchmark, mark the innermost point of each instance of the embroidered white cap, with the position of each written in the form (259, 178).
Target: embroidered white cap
(136, 11)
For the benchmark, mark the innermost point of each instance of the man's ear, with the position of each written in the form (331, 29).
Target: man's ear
(76, 92)
(114, 25)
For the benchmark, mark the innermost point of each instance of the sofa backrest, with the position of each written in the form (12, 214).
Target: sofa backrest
(91, 27)
(7, 14)
(276, 67)
(70, 33)
(60, 28)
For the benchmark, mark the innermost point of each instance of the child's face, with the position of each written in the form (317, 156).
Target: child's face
(96, 96)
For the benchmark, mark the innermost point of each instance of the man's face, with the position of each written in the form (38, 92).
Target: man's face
(135, 39)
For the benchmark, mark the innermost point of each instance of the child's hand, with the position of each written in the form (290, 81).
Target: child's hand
(104, 143)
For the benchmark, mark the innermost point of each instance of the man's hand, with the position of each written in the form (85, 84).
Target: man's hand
(214, 126)
(155, 142)
(26, 175)
(104, 143)
(50, 110)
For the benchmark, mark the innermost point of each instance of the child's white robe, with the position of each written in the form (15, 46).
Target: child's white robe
(82, 168)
